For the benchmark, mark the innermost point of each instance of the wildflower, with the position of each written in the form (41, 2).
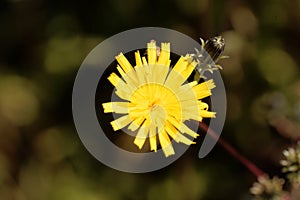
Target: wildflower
(157, 98)
(291, 163)
(267, 188)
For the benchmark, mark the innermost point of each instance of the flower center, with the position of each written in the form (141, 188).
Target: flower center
(156, 103)
(158, 116)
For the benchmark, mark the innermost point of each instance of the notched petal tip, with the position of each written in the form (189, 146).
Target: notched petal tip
(107, 107)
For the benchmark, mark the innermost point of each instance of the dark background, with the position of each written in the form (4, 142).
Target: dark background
(42, 45)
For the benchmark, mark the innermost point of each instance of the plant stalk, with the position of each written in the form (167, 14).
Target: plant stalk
(230, 149)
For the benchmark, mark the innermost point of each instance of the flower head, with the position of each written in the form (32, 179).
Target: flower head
(157, 98)
(291, 163)
(267, 188)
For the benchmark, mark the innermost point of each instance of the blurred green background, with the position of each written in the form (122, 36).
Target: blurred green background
(42, 47)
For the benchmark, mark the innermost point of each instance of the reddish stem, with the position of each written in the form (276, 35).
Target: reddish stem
(250, 165)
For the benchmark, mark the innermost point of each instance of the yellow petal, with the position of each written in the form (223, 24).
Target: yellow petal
(131, 80)
(152, 138)
(120, 122)
(188, 70)
(117, 107)
(184, 139)
(114, 79)
(172, 131)
(202, 105)
(141, 75)
(122, 60)
(174, 80)
(207, 114)
(123, 94)
(180, 65)
(120, 70)
(203, 89)
(181, 127)
(144, 61)
(123, 91)
(166, 144)
(136, 123)
(107, 107)
(184, 129)
(151, 51)
(138, 60)
(164, 55)
(141, 136)
(159, 73)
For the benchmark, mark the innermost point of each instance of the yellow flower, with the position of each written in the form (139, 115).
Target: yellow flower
(158, 99)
